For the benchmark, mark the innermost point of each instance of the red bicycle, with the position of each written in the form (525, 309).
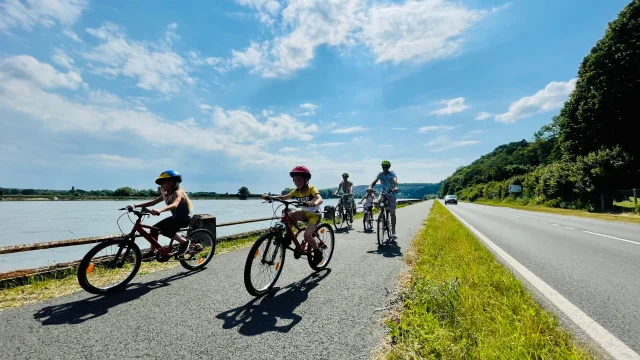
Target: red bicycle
(268, 252)
(105, 273)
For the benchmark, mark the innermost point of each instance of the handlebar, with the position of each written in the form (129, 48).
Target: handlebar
(140, 213)
(287, 203)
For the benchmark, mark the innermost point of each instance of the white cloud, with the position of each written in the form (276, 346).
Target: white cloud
(288, 149)
(483, 115)
(24, 85)
(331, 144)
(349, 130)
(426, 129)
(442, 143)
(416, 31)
(26, 68)
(205, 108)
(311, 109)
(452, 106)
(550, 98)
(116, 161)
(244, 127)
(62, 59)
(217, 63)
(104, 97)
(155, 66)
(419, 31)
(400, 129)
(71, 35)
(472, 133)
(26, 15)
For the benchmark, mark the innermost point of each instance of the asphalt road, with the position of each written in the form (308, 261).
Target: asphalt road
(594, 264)
(176, 314)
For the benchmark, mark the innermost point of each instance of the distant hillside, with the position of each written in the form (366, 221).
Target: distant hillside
(405, 191)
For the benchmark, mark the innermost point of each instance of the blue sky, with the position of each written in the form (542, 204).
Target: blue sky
(103, 94)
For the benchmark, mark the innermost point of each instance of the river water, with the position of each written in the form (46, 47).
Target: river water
(27, 222)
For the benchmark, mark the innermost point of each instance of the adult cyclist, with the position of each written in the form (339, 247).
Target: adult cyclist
(389, 182)
(347, 189)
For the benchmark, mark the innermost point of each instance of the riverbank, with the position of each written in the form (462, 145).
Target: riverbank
(103, 198)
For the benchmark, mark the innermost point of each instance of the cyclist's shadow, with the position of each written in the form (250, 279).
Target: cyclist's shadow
(392, 249)
(80, 311)
(261, 315)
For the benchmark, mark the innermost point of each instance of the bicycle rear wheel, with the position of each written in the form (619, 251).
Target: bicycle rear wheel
(201, 250)
(325, 238)
(265, 260)
(109, 266)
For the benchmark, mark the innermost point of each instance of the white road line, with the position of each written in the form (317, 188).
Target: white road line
(569, 227)
(612, 237)
(555, 225)
(604, 338)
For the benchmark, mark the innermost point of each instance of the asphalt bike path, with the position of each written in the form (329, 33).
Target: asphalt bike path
(175, 314)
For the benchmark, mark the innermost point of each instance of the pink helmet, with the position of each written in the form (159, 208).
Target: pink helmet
(301, 170)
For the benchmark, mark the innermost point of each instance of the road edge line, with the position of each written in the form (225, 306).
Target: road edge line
(611, 344)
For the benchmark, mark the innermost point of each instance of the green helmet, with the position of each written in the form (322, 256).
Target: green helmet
(345, 174)
(386, 163)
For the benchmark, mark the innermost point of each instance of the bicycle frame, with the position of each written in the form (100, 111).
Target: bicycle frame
(153, 240)
(289, 224)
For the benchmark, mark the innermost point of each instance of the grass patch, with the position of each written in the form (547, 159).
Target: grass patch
(624, 217)
(462, 303)
(39, 290)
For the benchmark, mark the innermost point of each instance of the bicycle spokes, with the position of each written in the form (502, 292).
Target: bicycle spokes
(110, 266)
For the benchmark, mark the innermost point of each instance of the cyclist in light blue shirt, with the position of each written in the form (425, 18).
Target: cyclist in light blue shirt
(389, 182)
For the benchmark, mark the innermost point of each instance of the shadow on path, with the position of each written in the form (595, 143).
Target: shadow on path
(263, 314)
(392, 249)
(80, 311)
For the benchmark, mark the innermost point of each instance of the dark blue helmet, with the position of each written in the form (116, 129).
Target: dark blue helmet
(169, 174)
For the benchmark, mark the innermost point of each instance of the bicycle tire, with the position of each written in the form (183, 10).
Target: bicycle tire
(204, 262)
(326, 259)
(381, 228)
(251, 289)
(86, 261)
(388, 225)
(337, 220)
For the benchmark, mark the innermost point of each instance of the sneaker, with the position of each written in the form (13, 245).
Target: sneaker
(184, 247)
(317, 257)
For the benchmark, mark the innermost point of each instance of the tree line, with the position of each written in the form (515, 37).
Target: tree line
(589, 149)
(122, 192)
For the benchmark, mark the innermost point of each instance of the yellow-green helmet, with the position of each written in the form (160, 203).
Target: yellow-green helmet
(386, 163)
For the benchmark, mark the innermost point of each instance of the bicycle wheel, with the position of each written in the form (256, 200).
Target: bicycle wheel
(388, 225)
(201, 250)
(325, 239)
(381, 228)
(268, 256)
(99, 274)
(337, 218)
(370, 221)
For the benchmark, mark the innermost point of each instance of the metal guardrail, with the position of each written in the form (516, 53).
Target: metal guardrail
(91, 240)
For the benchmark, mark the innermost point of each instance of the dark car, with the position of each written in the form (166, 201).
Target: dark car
(450, 199)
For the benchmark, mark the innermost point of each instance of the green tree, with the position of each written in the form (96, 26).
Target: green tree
(1, 191)
(286, 191)
(602, 110)
(123, 191)
(243, 193)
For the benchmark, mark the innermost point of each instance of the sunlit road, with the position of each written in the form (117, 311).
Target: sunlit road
(594, 264)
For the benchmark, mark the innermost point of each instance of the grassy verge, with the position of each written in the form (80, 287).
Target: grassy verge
(67, 283)
(624, 217)
(462, 303)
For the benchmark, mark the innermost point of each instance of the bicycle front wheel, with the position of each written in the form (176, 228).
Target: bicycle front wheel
(109, 266)
(338, 217)
(264, 264)
(201, 250)
(381, 228)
